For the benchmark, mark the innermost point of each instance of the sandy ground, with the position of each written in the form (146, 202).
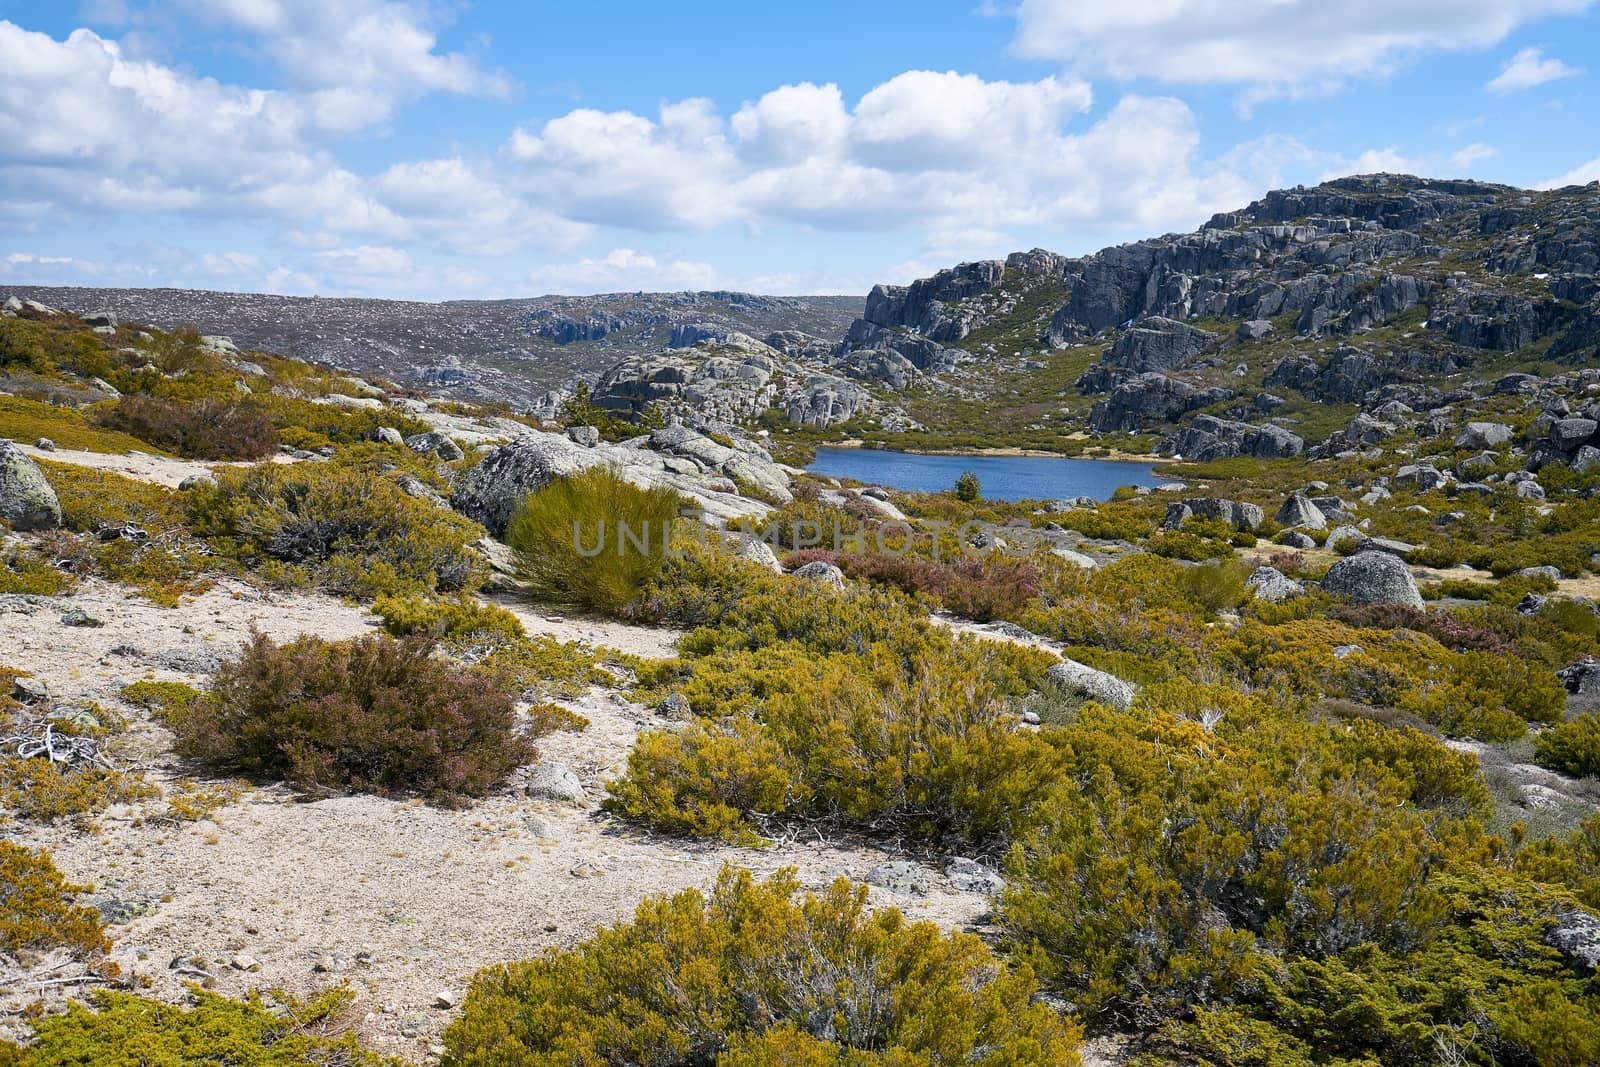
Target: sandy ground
(162, 470)
(401, 900)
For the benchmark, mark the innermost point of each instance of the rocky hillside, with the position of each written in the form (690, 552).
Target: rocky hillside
(505, 351)
(1288, 316)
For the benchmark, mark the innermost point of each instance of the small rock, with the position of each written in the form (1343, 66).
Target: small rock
(1031, 718)
(586, 869)
(1273, 586)
(197, 481)
(29, 690)
(539, 827)
(970, 876)
(242, 962)
(79, 617)
(554, 781)
(819, 570)
(388, 435)
(1576, 935)
(445, 1000)
(587, 436)
(44, 444)
(1086, 681)
(904, 877)
(675, 706)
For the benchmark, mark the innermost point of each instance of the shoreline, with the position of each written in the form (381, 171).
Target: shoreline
(1112, 455)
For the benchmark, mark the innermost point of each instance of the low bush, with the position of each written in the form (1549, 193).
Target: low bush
(125, 1029)
(456, 617)
(28, 420)
(206, 428)
(1572, 748)
(592, 540)
(38, 912)
(753, 976)
(370, 715)
(335, 526)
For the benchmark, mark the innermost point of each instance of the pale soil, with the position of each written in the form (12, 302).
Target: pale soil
(429, 895)
(141, 466)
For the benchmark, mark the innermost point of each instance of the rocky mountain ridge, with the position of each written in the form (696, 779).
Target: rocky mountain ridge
(503, 351)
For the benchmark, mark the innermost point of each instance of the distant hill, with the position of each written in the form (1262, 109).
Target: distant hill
(498, 350)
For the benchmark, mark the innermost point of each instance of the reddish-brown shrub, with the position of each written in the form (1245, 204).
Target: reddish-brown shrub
(977, 587)
(372, 715)
(207, 428)
(1445, 627)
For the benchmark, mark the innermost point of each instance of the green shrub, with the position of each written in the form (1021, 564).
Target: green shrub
(753, 976)
(206, 428)
(456, 617)
(335, 526)
(37, 909)
(967, 489)
(126, 1029)
(1572, 748)
(592, 540)
(371, 715)
(28, 420)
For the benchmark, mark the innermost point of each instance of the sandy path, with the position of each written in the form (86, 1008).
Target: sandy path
(401, 900)
(142, 466)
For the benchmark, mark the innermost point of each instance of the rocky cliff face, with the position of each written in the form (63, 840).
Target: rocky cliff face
(1360, 291)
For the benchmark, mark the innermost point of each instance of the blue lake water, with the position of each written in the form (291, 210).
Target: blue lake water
(1001, 477)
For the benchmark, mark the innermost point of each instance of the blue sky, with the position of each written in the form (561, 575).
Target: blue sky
(452, 149)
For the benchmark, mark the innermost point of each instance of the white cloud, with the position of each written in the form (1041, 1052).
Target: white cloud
(1275, 46)
(936, 149)
(355, 58)
(1465, 157)
(624, 269)
(1527, 69)
(1582, 174)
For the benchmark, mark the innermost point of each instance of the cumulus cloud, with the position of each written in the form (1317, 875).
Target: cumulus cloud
(1582, 174)
(925, 148)
(1467, 156)
(1527, 69)
(1274, 46)
(624, 269)
(354, 58)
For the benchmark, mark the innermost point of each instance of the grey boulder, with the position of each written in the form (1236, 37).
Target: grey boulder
(1273, 586)
(1373, 578)
(1082, 680)
(27, 500)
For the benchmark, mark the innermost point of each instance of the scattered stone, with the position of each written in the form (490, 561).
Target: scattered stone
(539, 827)
(1552, 573)
(675, 706)
(754, 550)
(1296, 540)
(27, 500)
(1299, 510)
(1273, 586)
(1422, 476)
(433, 443)
(1482, 435)
(1343, 535)
(197, 481)
(820, 570)
(587, 869)
(388, 435)
(44, 444)
(1085, 681)
(1341, 651)
(79, 617)
(970, 876)
(242, 962)
(445, 1000)
(903, 877)
(1373, 578)
(1576, 935)
(554, 781)
(27, 690)
(587, 436)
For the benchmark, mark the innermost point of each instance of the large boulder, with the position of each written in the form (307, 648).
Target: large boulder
(490, 491)
(1483, 435)
(1082, 680)
(1373, 578)
(1273, 586)
(27, 500)
(1208, 438)
(1299, 510)
(1237, 514)
(1576, 935)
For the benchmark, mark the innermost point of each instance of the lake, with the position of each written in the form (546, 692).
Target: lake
(1001, 477)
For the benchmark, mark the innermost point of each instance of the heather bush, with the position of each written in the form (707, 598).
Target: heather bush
(335, 526)
(1573, 747)
(370, 715)
(572, 539)
(753, 974)
(205, 428)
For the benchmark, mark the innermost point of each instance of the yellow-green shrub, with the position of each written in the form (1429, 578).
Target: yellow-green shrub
(572, 538)
(1571, 747)
(452, 617)
(753, 976)
(37, 908)
(123, 1028)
